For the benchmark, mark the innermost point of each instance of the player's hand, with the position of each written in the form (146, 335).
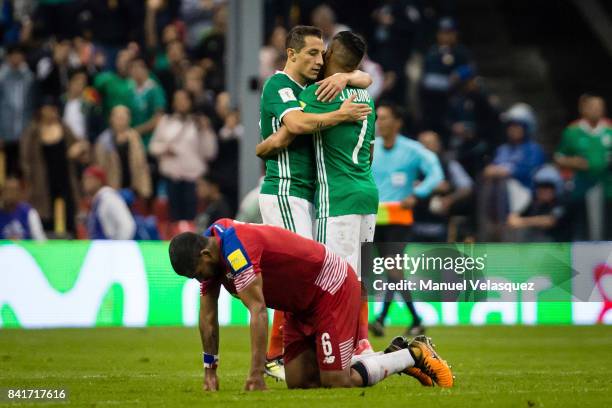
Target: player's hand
(355, 111)
(331, 86)
(211, 381)
(255, 382)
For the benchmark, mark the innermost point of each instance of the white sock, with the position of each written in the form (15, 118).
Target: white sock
(360, 357)
(375, 368)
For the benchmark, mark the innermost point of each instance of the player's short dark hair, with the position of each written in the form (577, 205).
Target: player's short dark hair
(353, 49)
(395, 110)
(184, 251)
(295, 37)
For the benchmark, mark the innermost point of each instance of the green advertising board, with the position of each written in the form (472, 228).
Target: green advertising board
(129, 283)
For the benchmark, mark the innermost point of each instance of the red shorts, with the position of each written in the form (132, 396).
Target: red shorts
(331, 327)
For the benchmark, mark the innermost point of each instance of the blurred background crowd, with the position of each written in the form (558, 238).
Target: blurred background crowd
(115, 121)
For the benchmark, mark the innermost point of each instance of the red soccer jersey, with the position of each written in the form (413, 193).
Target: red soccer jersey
(296, 271)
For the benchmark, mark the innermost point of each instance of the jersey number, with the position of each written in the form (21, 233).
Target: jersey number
(364, 127)
(327, 349)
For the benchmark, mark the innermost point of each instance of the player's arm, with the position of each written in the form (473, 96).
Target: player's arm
(331, 86)
(253, 298)
(209, 334)
(274, 143)
(300, 122)
(433, 175)
(281, 139)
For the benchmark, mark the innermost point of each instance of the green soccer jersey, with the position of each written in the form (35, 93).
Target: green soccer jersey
(594, 145)
(292, 171)
(344, 177)
(147, 101)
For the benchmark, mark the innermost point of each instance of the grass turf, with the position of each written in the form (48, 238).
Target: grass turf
(495, 366)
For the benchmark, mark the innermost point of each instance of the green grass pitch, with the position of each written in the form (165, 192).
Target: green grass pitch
(547, 366)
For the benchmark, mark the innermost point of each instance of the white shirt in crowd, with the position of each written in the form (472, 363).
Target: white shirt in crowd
(191, 146)
(115, 217)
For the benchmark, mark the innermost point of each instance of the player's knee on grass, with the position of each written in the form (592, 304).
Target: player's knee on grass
(303, 371)
(295, 379)
(336, 379)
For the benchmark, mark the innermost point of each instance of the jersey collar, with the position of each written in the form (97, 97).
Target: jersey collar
(289, 76)
(584, 124)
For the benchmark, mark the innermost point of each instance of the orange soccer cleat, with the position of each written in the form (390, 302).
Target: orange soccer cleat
(429, 362)
(399, 343)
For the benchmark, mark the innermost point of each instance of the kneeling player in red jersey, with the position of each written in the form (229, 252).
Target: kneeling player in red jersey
(267, 266)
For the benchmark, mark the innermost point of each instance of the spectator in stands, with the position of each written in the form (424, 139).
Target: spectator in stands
(203, 99)
(271, 55)
(115, 88)
(442, 64)
(324, 17)
(109, 217)
(396, 26)
(184, 144)
(89, 58)
(160, 13)
(586, 149)
(18, 220)
(120, 153)
(215, 204)
(149, 101)
(82, 112)
(544, 219)
(470, 103)
(53, 71)
(16, 104)
(398, 162)
(468, 148)
(15, 21)
(222, 110)
(49, 155)
(198, 16)
(211, 51)
(451, 197)
(520, 156)
(225, 167)
(170, 77)
(509, 178)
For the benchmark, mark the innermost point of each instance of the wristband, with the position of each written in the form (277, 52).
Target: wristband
(210, 360)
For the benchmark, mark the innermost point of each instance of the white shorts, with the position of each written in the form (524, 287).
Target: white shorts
(292, 213)
(344, 235)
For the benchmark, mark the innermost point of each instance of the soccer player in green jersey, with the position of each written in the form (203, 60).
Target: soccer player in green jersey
(289, 184)
(288, 189)
(346, 196)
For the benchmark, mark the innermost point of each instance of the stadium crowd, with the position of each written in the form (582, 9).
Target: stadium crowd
(115, 123)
